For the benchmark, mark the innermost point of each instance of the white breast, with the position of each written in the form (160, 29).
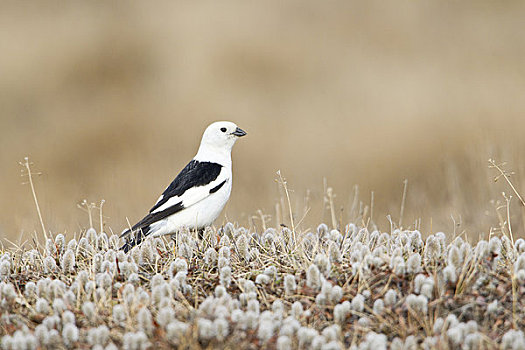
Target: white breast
(199, 215)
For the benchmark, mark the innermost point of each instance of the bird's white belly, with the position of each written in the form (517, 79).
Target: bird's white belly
(199, 215)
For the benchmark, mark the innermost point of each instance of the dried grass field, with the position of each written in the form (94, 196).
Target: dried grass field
(277, 289)
(364, 213)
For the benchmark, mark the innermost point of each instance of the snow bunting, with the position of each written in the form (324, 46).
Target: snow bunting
(197, 195)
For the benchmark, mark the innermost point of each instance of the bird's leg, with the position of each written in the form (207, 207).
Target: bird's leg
(200, 233)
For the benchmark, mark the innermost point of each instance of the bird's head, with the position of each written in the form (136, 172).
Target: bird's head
(219, 137)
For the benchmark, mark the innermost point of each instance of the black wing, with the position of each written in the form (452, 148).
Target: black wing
(194, 174)
(142, 228)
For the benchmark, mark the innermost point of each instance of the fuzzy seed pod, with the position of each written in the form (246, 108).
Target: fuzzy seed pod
(210, 257)
(379, 307)
(284, 343)
(206, 329)
(59, 306)
(60, 243)
(225, 241)
(449, 274)
(398, 265)
(68, 317)
(5, 268)
(455, 336)
(225, 276)
(68, 261)
(262, 279)
(451, 321)
(136, 255)
(41, 333)
(334, 252)
(297, 309)
(374, 341)
(135, 341)
(432, 247)
(220, 291)
(51, 249)
(103, 280)
(427, 289)
(91, 235)
(266, 330)
(50, 264)
(520, 276)
(323, 263)
(70, 334)
(147, 255)
(96, 263)
(88, 309)
(51, 322)
(156, 280)
(70, 298)
(454, 256)
(482, 249)
(418, 282)
(495, 245)
(165, 316)
(520, 263)
(42, 286)
(8, 292)
(341, 312)
(248, 286)
(134, 278)
(237, 316)
(102, 241)
(306, 335)
(42, 306)
(513, 339)
(144, 320)
(221, 328)
(278, 308)
(318, 342)
(289, 284)
(143, 297)
(332, 332)
(520, 245)
(82, 245)
(98, 336)
(222, 262)
(253, 305)
(313, 278)
(414, 264)
(175, 331)
(321, 299)
(358, 303)
(119, 313)
(254, 253)
(472, 341)
(30, 290)
(336, 294)
(224, 252)
(271, 271)
(243, 247)
(322, 229)
(439, 323)
(417, 303)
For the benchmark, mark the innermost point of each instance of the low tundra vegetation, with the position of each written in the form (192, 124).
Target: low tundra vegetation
(277, 289)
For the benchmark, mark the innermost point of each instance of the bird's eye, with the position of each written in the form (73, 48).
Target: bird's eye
(223, 129)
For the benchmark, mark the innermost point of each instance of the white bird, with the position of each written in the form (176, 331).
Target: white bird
(199, 192)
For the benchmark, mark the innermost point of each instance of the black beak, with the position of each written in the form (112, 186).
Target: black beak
(239, 132)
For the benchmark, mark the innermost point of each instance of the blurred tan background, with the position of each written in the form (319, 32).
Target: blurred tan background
(109, 100)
